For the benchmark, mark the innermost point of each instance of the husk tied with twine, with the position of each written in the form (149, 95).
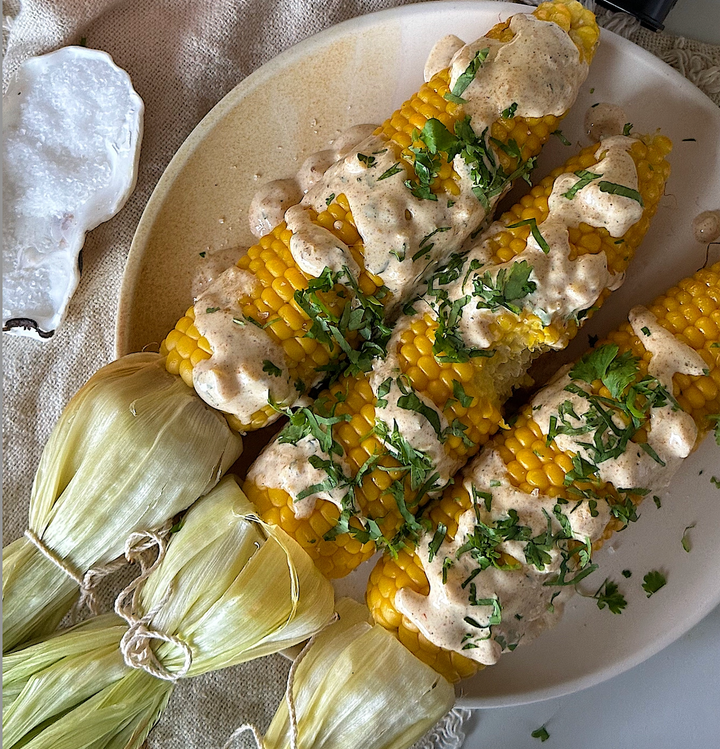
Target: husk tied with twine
(358, 686)
(134, 447)
(228, 589)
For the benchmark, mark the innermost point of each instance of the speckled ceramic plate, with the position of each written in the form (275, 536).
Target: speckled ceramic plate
(366, 67)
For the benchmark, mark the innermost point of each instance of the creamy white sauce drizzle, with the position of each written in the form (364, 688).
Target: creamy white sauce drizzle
(287, 467)
(272, 199)
(672, 432)
(268, 206)
(539, 70)
(441, 55)
(413, 426)
(603, 120)
(314, 247)
(236, 384)
(564, 287)
(211, 266)
(441, 616)
(706, 226)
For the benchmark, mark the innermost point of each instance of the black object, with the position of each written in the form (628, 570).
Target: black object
(650, 13)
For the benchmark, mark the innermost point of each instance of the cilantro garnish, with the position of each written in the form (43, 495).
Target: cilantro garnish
(532, 223)
(437, 539)
(626, 573)
(508, 285)
(410, 401)
(715, 480)
(585, 178)
(509, 113)
(464, 399)
(686, 539)
(657, 501)
(559, 135)
(305, 422)
(210, 310)
(466, 78)
(540, 733)
(271, 368)
(653, 581)
(369, 161)
(202, 254)
(609, 595)
(627, 192)
(716, 419)
(362, 314)
(627, 128)
(394, 169)
(329, 199)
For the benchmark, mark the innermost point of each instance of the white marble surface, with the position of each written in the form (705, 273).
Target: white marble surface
(671, 700)
(695, 19)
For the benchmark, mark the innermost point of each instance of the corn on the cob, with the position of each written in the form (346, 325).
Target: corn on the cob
(272, 299)
(533, 462)
(467, 390)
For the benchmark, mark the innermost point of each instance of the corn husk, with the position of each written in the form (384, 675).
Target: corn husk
(133, 448)
(229, 587)
(358, 686)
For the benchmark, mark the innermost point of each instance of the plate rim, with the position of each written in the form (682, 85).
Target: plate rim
(290, 56)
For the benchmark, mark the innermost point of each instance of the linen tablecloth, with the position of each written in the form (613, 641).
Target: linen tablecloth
(183, 56)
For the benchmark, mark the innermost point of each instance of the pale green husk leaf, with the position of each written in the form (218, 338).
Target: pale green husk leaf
(133, 448)
(358, 686)
(232, 589)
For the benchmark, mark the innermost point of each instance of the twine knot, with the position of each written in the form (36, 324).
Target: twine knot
(136, 643)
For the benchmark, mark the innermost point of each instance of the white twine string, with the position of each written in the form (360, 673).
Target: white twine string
(136, 643)
(289, 698)
(91, 579)
(245, 728)
(87, 582)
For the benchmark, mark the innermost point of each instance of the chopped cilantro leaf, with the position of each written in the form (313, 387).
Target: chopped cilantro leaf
(657, 501)
(715, 480)
(202, 254)
(559, 135)
(394, 169)
(653, 581)
(271, 369)
(613, 188)
(584, 179)
(686, 539)
(210, 310)
(508, 286)
(459, 392)
(436, 542)
(369, 161)
(330, 198)
(466, 78)
(509, 113)
(627, 128)
(626, 573)
(532, 223)
(540, 733)
(609, 595)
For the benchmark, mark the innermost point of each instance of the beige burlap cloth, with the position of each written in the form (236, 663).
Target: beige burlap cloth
(183, 57)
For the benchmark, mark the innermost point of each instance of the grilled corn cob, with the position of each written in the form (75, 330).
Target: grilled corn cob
(461, 391)
(534, 462)
(283, 298)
